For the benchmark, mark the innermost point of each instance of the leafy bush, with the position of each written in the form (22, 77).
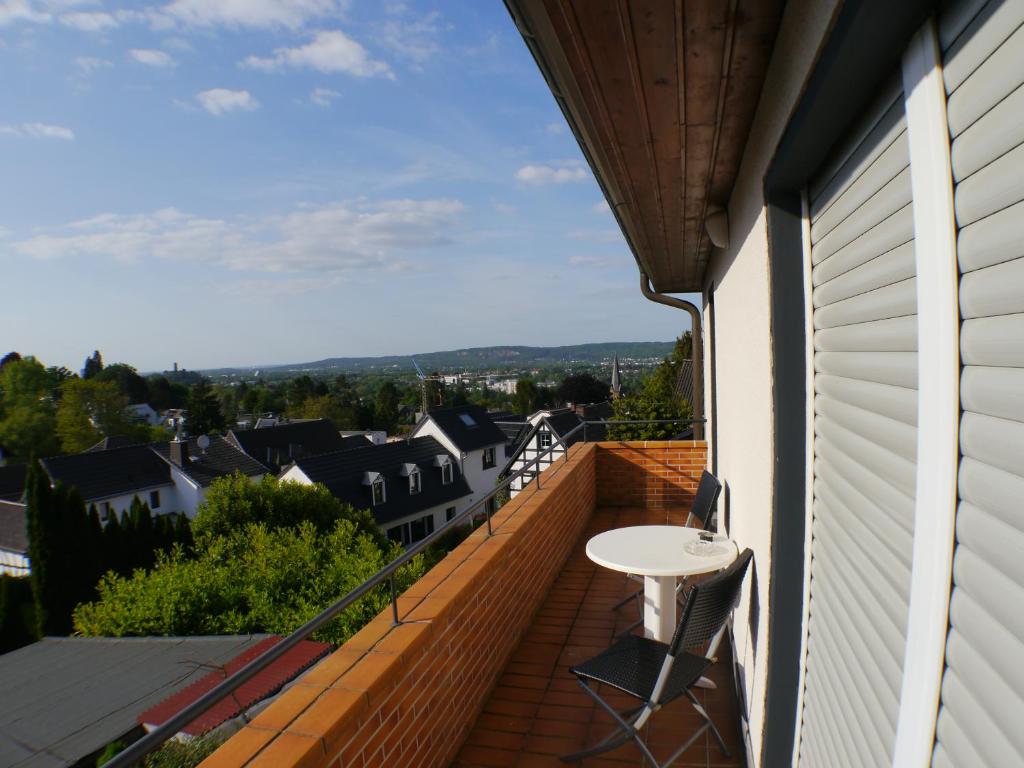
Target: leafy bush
(253, 579)
(233, 502)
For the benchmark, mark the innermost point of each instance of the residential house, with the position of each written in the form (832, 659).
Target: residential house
(143, 413)
(375, 436)
(171, 477)
(412, 487)
(543, 430)
(13, 531)
(470, 435)
(279, 444)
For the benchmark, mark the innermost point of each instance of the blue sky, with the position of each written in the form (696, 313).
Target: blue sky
(258, 181)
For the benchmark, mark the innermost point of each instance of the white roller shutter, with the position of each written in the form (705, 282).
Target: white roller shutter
(865, 422)
(982, 707)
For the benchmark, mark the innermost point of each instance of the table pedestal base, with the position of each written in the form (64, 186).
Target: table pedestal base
(659, 607)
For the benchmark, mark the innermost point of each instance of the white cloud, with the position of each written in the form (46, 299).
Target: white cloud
(505, 208)
(330, 51)
(596, 235)
(291, 14)
(151, 57)
(218, 101)
(412, 39)
(552, 173)
(333, 239)
(90, 21)
(22, 10)
(38, 131)
(555, 128)
(597, 262)
(601, 207)
(88, 65)
(323, 97)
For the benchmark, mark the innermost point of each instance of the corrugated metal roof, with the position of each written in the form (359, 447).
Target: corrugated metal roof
(265, 683)
(66, 697)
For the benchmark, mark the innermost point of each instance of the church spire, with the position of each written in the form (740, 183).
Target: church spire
(616, 379)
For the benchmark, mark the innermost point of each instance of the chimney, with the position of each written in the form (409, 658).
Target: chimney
(179, 451)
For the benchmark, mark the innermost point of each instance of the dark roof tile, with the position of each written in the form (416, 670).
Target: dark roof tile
(220, 459)
(343, 473)
(277, 445)
(114, 472)
(468, 426)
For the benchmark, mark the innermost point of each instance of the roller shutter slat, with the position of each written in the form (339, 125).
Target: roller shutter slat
(891, 198)
(894, 436)
(897, 300)
(879, 271)
(994, 187)
(994, 134)
(992, 240)
(987, 86)
(996, 491)
(897, 334)
(992, 25)
(996, 442)
(997, 290)
(993, 391)
(993, 341)
(1000, 647)
(896, 368)
(955, 20)
(954, 742)
(886, 167)
(880, 503)
(895, 231)
(897, 403)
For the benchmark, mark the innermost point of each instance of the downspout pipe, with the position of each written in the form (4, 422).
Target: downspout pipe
(698, 346)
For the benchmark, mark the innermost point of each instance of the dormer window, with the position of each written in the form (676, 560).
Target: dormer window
(489, 460)
(376, 482)
(447, 474)
(414, 482)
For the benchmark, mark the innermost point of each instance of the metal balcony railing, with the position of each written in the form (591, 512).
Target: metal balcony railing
(167, 730)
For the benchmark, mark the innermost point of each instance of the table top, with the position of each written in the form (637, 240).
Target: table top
(656, 550)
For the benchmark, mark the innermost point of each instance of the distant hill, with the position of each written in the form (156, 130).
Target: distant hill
(484, 358)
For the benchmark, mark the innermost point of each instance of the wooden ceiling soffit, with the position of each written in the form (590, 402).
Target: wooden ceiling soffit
(660, 96)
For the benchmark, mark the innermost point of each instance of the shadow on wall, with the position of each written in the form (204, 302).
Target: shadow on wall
(652, 475)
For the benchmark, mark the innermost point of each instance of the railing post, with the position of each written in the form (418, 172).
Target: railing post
(487, 514)
(394, 601)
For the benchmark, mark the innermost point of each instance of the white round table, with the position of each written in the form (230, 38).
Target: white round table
(658, 553)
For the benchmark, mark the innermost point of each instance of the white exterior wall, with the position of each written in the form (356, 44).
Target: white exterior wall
(481, 481)
(527, 454)
(169, 500)
(745, 409)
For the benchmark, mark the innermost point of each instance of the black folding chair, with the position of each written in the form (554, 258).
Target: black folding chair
(656, 673)
(700, 513)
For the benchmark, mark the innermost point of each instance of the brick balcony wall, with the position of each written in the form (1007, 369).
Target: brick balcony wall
(409, 694)
(653, 474)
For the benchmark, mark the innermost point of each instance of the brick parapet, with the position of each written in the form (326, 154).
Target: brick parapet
(408, 694)
(652, 474)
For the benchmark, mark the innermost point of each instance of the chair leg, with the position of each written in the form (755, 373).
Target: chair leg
(629, 630)
(710, 724)
(626, 731)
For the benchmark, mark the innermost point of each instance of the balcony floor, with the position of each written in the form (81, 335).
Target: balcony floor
(537, 710)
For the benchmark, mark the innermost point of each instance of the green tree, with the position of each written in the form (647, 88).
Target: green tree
(93, 365)
(27, 421)
(204, 415)
(657, 400)
(62, 550)
(582, 388)
(128, 381)
(527, 397)
(10, 357)
(385, 407)
(253, 579)
(235, 501)
(164, 394)
(90, 410)
(18, 625)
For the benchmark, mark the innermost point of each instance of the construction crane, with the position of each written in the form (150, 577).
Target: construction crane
(423, 387)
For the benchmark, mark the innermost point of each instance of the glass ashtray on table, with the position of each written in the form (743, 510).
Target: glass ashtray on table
(705, 545)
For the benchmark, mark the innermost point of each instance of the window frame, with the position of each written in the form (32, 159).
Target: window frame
(378, 482)
(415, 482)
(447, 473)
(154, 499)
(489, 451)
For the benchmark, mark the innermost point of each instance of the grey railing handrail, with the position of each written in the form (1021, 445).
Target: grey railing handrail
(155, 738)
